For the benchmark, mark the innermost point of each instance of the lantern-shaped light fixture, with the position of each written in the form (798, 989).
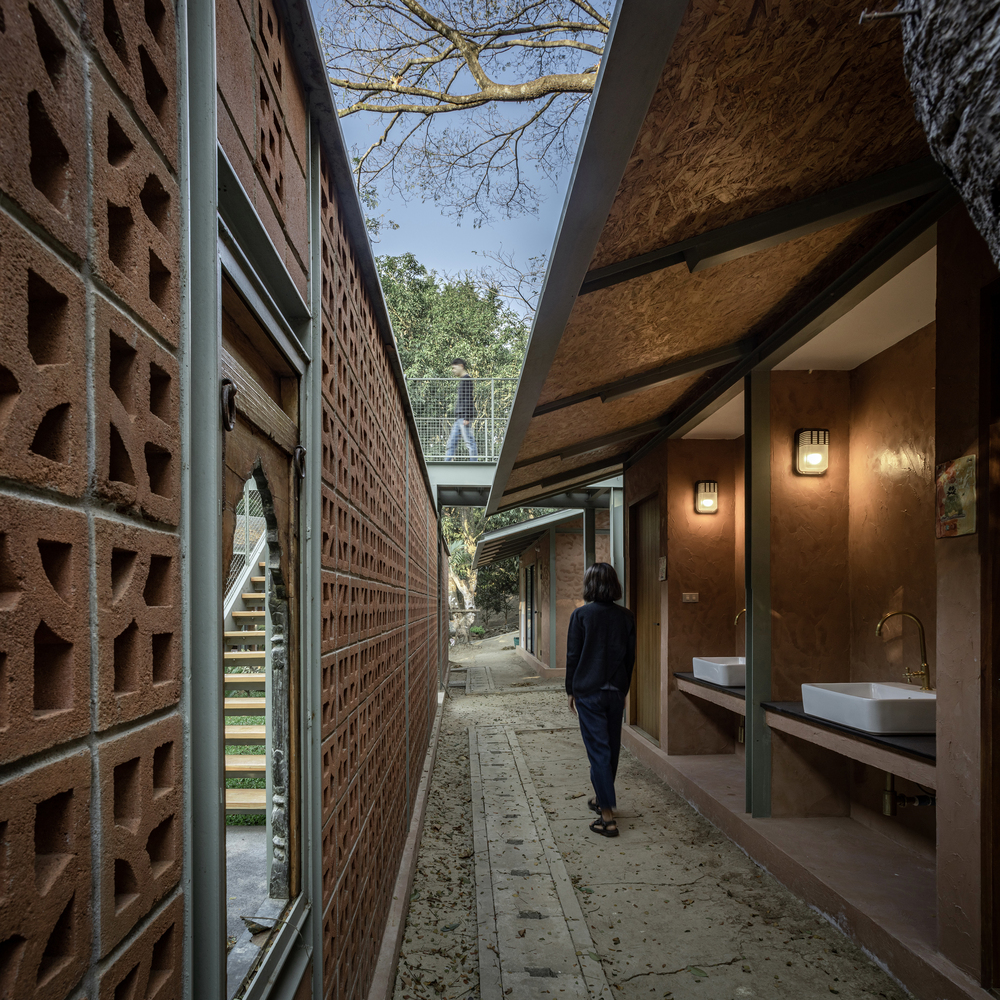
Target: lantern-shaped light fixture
(706, 497)
(812, 452)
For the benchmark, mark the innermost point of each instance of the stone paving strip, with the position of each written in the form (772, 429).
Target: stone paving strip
(534, 940)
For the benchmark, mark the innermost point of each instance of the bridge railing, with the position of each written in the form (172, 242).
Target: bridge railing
(433, 401)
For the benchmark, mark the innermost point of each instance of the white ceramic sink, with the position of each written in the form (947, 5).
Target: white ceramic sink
(729, 671)
(886, 709)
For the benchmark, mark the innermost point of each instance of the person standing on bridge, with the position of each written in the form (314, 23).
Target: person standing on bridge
(600, 655)
(465, 413)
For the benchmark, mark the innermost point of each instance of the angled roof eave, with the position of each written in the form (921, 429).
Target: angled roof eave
(639, 42)
(529, 529)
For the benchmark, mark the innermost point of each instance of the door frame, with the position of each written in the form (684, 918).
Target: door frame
(631, 593)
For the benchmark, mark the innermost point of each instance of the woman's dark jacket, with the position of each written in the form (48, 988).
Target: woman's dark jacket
(600, 648)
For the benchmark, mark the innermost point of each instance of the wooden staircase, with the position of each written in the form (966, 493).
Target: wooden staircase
(245, 682)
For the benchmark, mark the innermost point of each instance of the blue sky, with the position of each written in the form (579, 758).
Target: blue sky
(441, 243)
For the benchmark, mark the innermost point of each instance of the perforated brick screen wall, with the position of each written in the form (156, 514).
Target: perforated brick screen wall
(90, 737)
(380, 620)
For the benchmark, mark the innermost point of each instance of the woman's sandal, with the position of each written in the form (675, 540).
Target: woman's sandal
(605, 827)
(593, 806)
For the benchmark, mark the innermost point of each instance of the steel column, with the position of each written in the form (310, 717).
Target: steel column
(201, 512)
(589, 541)
(757, 389)
(553, 607)
(616, 516)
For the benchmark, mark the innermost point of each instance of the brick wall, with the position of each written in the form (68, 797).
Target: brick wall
(90, 737)
(371, 620)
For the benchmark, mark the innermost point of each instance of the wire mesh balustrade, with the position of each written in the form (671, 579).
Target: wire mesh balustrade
(250, 526)
(434, 402)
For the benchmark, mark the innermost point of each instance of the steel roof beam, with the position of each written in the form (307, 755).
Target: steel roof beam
(912, 238)
(693, 365)
(770, 229)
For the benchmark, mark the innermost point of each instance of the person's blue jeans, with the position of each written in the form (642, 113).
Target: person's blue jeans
(600, 716)
(459, 427)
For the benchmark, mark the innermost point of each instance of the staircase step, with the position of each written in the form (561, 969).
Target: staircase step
(248, 614)
(244, 706)
(246, 654)
(258, 579)
(246, 800)
(253, 633)
(254, 596)
(244, 680)
(262, 565)
(245, 763)
(246, 734)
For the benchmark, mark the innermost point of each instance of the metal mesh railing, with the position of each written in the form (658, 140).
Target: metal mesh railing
(250, 525)
(434, 400)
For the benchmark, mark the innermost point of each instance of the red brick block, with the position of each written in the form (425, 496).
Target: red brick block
(43, 137)
(44, 627)
(138, 400)
(136, 215)
(140, 777)
(328, 694)
(329, 607)
(151, 966)
(43, 377)
(138, 597)
(138, 44)
(330, 948)
(348, 683)
(45, 917)
(328, 519)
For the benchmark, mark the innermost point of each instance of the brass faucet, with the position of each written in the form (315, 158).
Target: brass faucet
(924, 673)
(736, 620)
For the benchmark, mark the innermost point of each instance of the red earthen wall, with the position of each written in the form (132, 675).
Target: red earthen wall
(381, 638)
(90, 578)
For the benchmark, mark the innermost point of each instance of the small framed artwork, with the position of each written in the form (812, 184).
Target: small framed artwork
(956, 498)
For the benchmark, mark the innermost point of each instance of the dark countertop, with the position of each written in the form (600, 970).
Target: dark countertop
(924, 747)
(921, 746)
(740, 692)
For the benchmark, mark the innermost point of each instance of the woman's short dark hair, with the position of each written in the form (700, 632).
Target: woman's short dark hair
(600, 583)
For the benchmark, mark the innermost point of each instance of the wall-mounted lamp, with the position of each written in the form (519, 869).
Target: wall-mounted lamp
(706, 497)
(812, 452)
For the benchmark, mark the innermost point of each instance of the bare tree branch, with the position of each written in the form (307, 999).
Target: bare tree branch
(515, 76)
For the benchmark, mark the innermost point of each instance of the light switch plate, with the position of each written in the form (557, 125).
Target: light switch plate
(689, 598)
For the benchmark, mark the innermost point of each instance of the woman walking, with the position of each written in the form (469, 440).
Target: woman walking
(600, 655)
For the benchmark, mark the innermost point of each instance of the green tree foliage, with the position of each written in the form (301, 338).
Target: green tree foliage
(438, 318)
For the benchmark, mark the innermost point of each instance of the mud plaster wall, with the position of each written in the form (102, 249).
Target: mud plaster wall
(700, 550)
(811, 612)
(569, 575)
(965, 268)
(90, 563)
(891, 544)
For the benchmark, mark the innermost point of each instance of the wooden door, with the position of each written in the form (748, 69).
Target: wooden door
(645, 602)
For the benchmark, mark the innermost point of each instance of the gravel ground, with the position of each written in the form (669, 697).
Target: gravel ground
(669, 875)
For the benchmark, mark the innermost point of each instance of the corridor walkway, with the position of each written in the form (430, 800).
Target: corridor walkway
(515, 898)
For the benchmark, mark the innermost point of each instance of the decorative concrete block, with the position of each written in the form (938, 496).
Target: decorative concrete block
(136, 215)
(43, 132)
(44, 627)
(45, 914)
(43, 377)
(141, 824)
(151, 966)
(138, 402)
(138, 44)
(138, 596)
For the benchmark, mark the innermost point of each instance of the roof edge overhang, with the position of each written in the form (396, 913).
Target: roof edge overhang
(638, 45)
(526, 530)
(308, 55)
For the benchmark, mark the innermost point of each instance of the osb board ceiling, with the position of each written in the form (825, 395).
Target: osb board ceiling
(668, 315)
(761, 104)
(521, 478)
(553, 431)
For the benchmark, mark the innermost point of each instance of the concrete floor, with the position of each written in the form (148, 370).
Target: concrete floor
(246, 875)
(672, 908)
